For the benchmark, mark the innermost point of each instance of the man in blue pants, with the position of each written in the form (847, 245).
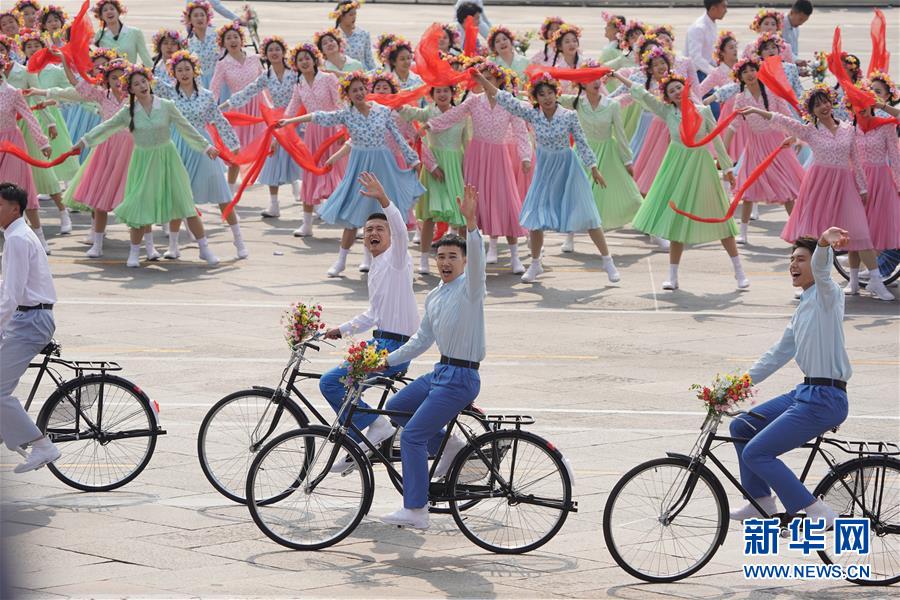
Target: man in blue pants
(454, 319)
(815, 338)
(392, 306)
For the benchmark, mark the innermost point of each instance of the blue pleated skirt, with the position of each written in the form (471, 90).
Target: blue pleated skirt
(347, 208)
(279, 168)
(80, 120)
(640, 133)
(208, 182)
(560, 197)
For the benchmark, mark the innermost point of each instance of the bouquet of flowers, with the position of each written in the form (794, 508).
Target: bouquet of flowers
(820, 67)
(301, 322)
(251, 20)
(523, 40)
(725, 393)
(362, 358)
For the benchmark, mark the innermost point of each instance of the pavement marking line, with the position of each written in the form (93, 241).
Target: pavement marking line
(652, 285)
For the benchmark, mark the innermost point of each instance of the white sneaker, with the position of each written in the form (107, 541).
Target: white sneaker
(173, 252)
(343, 465)
(417, 518)
(152, 254)
(743, 282)
(417, 237)
(380, 430)
(749, 511)
(424, 268)
(305, 229)
(516, 266)
(337, 268)
(273, 212)
(534, 269)
(210, 258)
(569, 244)
(65, 222)
(670, 285)
(364, 266)
(491, 257)
(741, 238)
(851, 289)
(134, 258)
(754, 214)
(611, 271)
(661, 243)
(819, 510)
(96, 249)
(241, 248)
(878, 289)
(39, 457)
(454, 445)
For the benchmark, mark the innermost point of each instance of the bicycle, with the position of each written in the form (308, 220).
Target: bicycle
(237, 426)
(887, 257)
(484, 489)
(666, 518)
(106, 425)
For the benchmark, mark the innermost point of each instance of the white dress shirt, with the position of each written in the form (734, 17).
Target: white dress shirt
(26, 273)
(700, 43)
(392, 303)
(791, 35)
(815, 335)
(454, 313)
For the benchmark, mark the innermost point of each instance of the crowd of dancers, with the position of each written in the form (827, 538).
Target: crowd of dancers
(551, 139)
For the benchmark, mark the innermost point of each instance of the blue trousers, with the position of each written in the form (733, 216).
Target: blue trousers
(791, 420)
(887, 262)
(714, 107)
(435, 399)
(334, 390)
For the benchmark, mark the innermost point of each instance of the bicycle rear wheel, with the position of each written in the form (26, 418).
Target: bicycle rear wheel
(226, 445)
(867, 488)
(663, 521)
(315, 508)
(521, 489)
(104, 426)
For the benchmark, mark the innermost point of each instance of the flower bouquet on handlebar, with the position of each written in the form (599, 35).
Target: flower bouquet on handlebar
(301, 323)
(361, 360)
(725, 393)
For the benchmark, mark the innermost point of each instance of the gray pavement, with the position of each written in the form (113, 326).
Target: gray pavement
(603, 368)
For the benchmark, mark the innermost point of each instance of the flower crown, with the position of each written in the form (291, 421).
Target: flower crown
(333, 32)
(108, 53)
(232, 26)
(765, 14)
(453, 33)
(309, 49)
(112, 65)
(172, 34)
(383, 40)
(850, 58)
(398, 44)
(183, 55)
(23, 3)
(499, 29)
(656, 52)
(608, 16)
(545, 26)
(666, 29)
(272, 39)
(742, 64)
(344, 7)
(27, 35)
(818, 89)
(724, 37)
(642, 43)
(51, 9)
(99, 4)
(893, 92)
(131, 70)
(665, 81)
(348, 78)
(202, 4)
(627, 28)
(542, 79)
(493, 69)
(563, 30)
(763, 39)
(460, 60)
(386, 76)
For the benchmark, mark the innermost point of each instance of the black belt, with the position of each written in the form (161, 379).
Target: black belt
(455, 362)
(387, 335)
(841, 385)
(35, 307)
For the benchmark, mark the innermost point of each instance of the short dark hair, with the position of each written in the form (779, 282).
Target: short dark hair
(803, 6)
(451, 239)
(13, 193)
(708, 4)
(377, 217)
(467, 9)
(808, 243)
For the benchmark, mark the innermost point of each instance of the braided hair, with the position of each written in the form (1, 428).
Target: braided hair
(739, 70)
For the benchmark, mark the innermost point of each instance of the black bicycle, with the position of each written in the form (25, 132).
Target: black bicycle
(237, 426)
(666, 518)
(509, 490)
(105, 425)
(890, 258)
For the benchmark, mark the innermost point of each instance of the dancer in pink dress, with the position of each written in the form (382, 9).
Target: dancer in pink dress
(780, 182)
(315, 91)
(772, 22)
(548, 28)
(487, 165)
(656, 63)
(833, 192)
(726, 57)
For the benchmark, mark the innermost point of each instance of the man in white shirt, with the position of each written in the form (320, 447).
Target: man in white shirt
(700, 40)
(27, 296)
(798, 15)
(392, 305)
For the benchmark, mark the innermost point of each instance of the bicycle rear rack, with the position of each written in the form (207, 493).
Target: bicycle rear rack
(497, 421)
(860, 448)
(87, 365)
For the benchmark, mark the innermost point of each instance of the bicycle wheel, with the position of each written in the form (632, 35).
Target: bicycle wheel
(867, 488)
(842, 266)
(663, 522)
(521, 486)
(225, 442)
(304, 517)
(105, 428)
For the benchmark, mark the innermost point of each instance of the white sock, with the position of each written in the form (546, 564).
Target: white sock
(135, 249)
(273, 198)
(44, 442)
(874, 276)
(236, 232)
(148, 238)
(744, 229)
(342, 254)
(295, 188)
(513, 250)
(673, 273)
(854, 277)
(492, 244)
(736, 262)
(202, 243)
(39, 232)
(606, 259)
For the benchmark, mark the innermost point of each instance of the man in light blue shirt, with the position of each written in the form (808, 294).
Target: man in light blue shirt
(797, 16)
(815, 339)
(454, 319)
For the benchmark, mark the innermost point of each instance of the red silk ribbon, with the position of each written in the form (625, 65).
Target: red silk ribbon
(881, 58)
(771, 73)
(10, 148)
(434, 70)
(470, 46)
(691, 121)
(582, 75)
(76, 51)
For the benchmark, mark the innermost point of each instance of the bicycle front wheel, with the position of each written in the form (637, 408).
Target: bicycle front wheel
(315, 508)
(510, 491)
(105, 428)
(664, 521)
(867, 488)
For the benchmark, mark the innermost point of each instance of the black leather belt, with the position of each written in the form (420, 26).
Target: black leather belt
(841, 385)
(455, 362)
(35, 307)
(387, 335)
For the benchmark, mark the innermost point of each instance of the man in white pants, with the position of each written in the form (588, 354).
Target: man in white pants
(26, 324)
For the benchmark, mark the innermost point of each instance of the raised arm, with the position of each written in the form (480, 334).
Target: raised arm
(828, 293)
(108, 128)
(398, 253)
(517, 108)
(222, 10)
(450, 118)
(649, 101)
(476, 276)
(331, 118)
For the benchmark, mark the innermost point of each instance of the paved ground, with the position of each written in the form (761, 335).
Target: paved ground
(603, 368)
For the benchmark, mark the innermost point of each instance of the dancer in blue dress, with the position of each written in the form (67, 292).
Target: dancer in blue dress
(197, 18)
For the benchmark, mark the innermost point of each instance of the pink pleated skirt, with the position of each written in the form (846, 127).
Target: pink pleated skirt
(882, 207)
(780, 182)
(102, 185)
(650, 158)
(739, 139)
(317, 188)
(15, 170)
(247, 134)
(489, 169)
(828, 198)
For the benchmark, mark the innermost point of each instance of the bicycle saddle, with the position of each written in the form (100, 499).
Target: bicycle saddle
(51, 349)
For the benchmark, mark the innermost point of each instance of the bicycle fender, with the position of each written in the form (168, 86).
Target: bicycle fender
(711, 477)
